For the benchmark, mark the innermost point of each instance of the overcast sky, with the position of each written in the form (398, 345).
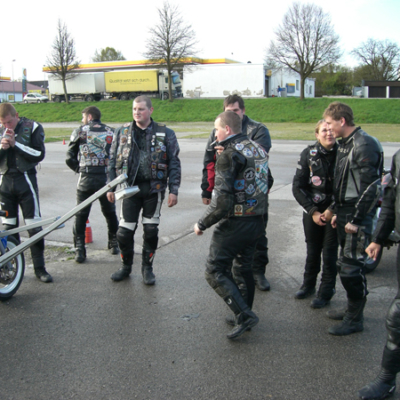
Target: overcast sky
(240, 31)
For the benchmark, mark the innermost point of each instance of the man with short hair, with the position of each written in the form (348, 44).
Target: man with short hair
(88, 154)
(21, 149)
(238, 207)
(259, 133)
(148, 152)
(359, 164)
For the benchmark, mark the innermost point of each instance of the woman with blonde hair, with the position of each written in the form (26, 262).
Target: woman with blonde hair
(313, 190)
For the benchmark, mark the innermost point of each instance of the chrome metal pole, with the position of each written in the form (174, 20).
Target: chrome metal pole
(5, 258)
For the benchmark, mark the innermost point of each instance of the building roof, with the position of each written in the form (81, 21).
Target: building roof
(14, 86)
(118, 65)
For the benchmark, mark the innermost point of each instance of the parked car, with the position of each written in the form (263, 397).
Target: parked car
(35, 98)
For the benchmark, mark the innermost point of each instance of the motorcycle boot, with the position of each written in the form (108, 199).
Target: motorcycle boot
(43, 275)
(353, 320)
(261, 281)
(322, 299)
(147, 267)
(304, 292)
(80, 250)
(113, 243)
(125, 270)
(381, 387)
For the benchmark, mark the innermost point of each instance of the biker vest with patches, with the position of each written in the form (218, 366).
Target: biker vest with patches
(152, 161)
(251, 184)
(321, 173)
(94, 138)
(23, 136)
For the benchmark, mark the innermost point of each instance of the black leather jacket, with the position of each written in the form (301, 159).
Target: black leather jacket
(358, 172)
(164, 156)
(256, 131)
(313, 181)
(28, 151)
(389, 217)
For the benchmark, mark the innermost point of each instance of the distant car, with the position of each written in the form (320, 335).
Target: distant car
(35, 98)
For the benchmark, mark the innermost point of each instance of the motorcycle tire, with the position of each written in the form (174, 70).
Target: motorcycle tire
(11, 278)
(371, 264)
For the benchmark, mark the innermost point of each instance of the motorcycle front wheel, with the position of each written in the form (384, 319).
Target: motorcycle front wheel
(12, 273)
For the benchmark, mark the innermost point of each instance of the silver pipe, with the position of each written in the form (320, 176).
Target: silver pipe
(5, 258)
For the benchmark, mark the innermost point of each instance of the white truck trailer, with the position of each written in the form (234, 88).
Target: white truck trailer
(85, 86)
(222, 80)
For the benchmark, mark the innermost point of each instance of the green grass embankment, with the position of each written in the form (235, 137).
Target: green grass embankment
(370, 111)
(287, 118)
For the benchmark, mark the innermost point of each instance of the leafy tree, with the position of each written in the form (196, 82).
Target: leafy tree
(108, 54)
(171, 41)
(305, 41)
(62, 60)
(380, 59)
(333, 80)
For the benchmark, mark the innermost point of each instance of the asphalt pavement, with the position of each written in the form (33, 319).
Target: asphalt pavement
(87, 337)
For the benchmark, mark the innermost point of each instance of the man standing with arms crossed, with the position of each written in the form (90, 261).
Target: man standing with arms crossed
(88, 154)
(148, 153)
(358, 172)
(258, 133)
(22, 148)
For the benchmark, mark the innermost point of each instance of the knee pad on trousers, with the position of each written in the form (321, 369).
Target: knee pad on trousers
(393, 325)
(124, 236)
(218, 282)
(150, 236)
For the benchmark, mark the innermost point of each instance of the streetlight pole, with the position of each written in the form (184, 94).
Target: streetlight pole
(12, 69)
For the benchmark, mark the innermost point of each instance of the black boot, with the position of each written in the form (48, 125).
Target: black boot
(353, 320)
(261, 281)
(125, 270)
(43, 275)
(80, 250)
(304, 292)
(381, 387)
(322, 299)
(113, 243)
(244, 322)
(147, 267)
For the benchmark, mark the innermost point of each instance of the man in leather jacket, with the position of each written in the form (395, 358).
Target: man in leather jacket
(238, 207)
(258, 133)
(384, 384)
(148, 153)
(88, 154)
(22, 148)
(357, 186)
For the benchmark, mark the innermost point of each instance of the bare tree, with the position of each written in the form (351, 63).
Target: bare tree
(62, 60)
(108, 54)
(380, 59)
(305, 41)
(171, 41)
